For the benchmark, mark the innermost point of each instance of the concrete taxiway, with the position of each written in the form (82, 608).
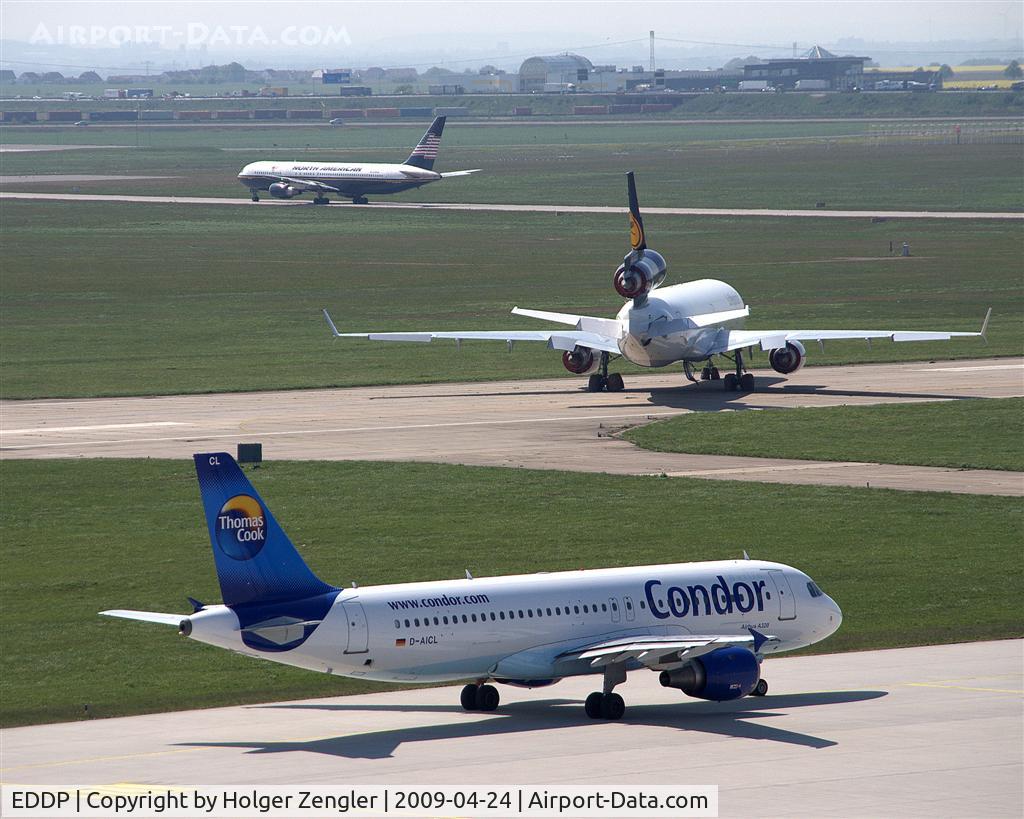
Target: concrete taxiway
(929, 731)
(542, 424)
(501, 208)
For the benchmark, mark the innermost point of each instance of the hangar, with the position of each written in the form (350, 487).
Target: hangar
(535, 72)
(841, 73)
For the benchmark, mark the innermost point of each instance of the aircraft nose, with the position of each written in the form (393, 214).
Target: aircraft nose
(833, 615)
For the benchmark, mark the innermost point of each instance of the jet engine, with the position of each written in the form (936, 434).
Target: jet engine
(725, 674)
(282, 191)
(787, 359)
(642, 276)
(578, 360)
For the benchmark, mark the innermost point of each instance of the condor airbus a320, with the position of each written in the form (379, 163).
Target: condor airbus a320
(691, 322)
(352, 180)
(703, 627)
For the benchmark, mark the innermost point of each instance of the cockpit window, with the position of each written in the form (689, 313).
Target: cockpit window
(812, 587)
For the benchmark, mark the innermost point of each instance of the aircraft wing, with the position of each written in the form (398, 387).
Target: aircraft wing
(147, 616)
(308, 184)
(459, 173)
(771, 339)
(555, 339)
(659, 651)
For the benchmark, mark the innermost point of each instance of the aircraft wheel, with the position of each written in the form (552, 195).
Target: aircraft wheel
(468, 697)
(612, 706)
(715, 374)
(487, 698)
(255, 198)
(595, 383)
(705, 374)
(760, 689)
(730, 382)
(593, 705)
(747, 382)
(615, 383)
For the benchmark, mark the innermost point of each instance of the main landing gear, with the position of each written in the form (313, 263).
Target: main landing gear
(606, 704)
(255, 197)
(760, 689)
(480, 697)
(321, 200)
(602, 381)
(360, 200)
(738, 381)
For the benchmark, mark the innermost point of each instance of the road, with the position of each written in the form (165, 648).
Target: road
(930, 731)
(540, 424)
(481, 206)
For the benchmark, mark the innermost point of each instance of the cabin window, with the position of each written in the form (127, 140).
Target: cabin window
(465, 619)
(474, 618)
(529, 612)
(643, 605)
(445, 619)
(417, 622)
(501, 615)
(586, 610)
(407, 624)
(576, 609)
(511, 615)
(629, 604)
(436, 622)
(604, 607)
(397, 624)
(615, 606)
(492, 615)
(549, 612)
(558, 610)
(521, 615)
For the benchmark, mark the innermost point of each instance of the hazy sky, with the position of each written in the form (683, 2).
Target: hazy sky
(410, 26)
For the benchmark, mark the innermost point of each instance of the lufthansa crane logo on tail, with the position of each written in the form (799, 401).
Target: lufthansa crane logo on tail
(636, 232)
(241, 527)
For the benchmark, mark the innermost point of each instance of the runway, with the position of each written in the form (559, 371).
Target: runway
(929, 731)
(540, 424)
(501, 208)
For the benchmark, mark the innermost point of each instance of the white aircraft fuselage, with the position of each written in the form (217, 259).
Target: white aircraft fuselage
(513, 628)
(678, 303)
(349, 179)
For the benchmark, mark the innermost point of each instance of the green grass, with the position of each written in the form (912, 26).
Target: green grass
(972, 434)
(764, 164)
(81, 536)
(123, 300)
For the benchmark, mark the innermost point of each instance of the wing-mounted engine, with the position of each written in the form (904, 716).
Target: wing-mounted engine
(638, 278)
(725, 674)
(281, 190)
(787, 359)
(642, 269)
(578, 360)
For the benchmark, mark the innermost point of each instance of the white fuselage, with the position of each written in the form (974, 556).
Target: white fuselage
(513, 628)
(677, 303)
(349, 178)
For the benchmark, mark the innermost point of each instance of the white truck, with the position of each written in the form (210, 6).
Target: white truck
(559, 88)
(754, 85)
(812, 85)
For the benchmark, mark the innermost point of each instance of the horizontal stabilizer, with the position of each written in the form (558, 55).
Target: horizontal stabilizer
(147, 616)
(459, 173)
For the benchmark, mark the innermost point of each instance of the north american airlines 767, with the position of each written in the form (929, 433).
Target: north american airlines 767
(351, 180)
(704, 628)
(691, 322)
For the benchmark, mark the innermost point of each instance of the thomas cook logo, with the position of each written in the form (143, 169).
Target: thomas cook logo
(241, 527)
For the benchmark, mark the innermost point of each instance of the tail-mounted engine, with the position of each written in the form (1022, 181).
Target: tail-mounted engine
(280, 190)
(578, 360)
(787, 359)
(642, 276)
(725, 674)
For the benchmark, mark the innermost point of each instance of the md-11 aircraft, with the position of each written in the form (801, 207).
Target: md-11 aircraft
(351, 180)
(703, 627)
(691, 322)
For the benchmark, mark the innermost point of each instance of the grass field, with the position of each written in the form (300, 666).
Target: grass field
(772, 165)
(960, 434)
(83, 536)
(126, 300)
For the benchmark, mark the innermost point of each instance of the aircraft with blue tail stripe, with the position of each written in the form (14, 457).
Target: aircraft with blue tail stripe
(704, 627)
(350, 180)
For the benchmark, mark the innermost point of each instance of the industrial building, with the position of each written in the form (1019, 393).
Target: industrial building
(817, 66)
(560, 69)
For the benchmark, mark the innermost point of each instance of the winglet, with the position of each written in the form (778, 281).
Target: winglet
(637, 238)
(984, 325)
(759, 639)
(331, 323)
